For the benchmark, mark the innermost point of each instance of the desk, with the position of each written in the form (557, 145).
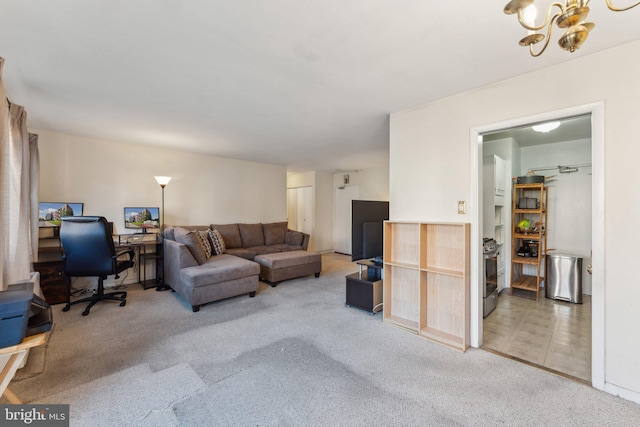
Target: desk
(11, 358)
(150, 249)
(364, 289)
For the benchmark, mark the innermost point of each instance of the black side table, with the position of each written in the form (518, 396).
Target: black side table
(364, 289)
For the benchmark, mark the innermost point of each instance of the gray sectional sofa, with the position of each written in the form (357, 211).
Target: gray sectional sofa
(200, 279)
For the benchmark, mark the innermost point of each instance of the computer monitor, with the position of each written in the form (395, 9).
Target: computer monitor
(50, 213)
(142, 218)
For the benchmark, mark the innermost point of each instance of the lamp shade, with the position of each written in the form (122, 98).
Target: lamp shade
(163, 180)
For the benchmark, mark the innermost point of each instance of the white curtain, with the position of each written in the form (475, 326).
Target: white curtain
(19, 177)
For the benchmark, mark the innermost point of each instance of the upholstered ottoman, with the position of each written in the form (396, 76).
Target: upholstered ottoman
(279, 266)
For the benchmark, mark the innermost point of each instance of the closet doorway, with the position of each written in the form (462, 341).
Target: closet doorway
(300, 209)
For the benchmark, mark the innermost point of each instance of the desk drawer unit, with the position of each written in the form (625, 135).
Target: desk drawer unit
(53, 282)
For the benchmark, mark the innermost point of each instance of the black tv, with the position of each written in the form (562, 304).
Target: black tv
(367, 225)
(142, 218)
(50, 213)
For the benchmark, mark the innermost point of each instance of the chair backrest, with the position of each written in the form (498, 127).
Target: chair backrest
(87, 246)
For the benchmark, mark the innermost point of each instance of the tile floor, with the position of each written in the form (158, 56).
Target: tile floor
(553, 334)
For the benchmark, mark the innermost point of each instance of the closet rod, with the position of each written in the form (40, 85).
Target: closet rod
(548, 168)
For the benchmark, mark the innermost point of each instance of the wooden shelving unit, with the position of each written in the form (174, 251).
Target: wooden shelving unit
(521, 279)
(426, 284)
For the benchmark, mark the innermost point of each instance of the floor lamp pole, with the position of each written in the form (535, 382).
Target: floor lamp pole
(163, 181)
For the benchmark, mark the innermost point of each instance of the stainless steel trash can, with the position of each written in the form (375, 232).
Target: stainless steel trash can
(563, 277)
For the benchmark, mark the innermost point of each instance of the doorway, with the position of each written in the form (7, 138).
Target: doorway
(342, 221)
(596, 111)
(300, 209)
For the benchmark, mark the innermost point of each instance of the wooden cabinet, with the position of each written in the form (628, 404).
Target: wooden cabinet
(499, 175)
(53, 282)
(528, 245)
(426, 283)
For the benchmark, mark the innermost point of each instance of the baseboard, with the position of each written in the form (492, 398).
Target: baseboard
(622, 392)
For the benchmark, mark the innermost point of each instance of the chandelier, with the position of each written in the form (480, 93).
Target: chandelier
(569, 16)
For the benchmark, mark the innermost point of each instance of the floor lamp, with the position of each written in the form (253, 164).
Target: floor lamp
(163, 181)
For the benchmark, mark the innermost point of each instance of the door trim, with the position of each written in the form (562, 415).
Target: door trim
(597, 112)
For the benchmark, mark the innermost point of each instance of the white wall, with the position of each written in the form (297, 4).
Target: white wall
(569, 212)
(107, 176)
(373, 182)
(431, 163)
(324, 212)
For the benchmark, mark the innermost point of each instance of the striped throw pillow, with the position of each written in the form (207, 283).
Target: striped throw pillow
(204, 239)
(217, 242)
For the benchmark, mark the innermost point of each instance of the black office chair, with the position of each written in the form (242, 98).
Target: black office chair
(88, 250)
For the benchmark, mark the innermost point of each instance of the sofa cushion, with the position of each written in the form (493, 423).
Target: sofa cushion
(217, 242)
(230, 233)
(242, 253)
(294, 238)
(251, 235)
(274, 233)
(260, 250)
(191, 240)
(206, 244)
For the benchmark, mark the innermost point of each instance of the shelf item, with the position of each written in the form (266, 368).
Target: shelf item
(426, 284)
(528, 245)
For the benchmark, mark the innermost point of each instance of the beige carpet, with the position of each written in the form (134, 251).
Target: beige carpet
(293, 355)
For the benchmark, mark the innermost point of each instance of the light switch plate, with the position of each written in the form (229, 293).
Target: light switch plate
(462, 207)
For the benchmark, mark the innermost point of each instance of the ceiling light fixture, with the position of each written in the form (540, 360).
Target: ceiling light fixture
(546, 127)
(570, 16)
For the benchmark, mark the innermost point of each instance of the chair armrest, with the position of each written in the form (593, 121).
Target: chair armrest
(123, 252)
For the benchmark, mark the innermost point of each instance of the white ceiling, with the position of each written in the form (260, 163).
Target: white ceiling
(304, 84)
(570, 129)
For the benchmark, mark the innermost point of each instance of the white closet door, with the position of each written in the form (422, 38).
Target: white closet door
(292, 208)
(305, 210)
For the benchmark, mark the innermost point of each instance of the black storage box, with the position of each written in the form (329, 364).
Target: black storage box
(15, 307)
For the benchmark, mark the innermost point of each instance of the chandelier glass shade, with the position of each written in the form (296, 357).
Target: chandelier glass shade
(569, 16)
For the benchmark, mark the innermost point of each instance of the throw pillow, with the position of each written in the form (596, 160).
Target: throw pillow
(204, 239)
(217, 242)
(294, 238)
(192, 242)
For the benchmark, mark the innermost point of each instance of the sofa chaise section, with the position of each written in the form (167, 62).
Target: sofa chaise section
(219, 277)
